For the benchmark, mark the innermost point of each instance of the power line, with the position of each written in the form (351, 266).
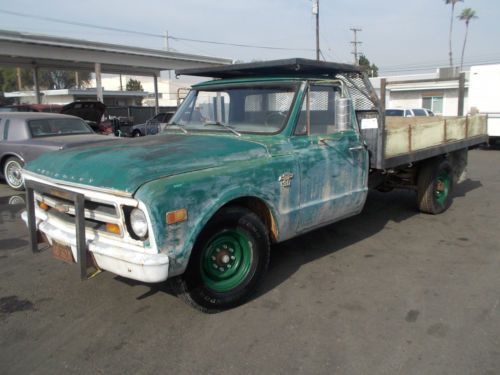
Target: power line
(238, 45)
(152, 35)
(82, 24)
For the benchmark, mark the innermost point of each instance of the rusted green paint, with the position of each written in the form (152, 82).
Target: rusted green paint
(126, 164)
(203, 172)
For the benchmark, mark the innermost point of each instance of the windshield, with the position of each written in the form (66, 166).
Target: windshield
(261, 108)
(419, 112)
(58, 126)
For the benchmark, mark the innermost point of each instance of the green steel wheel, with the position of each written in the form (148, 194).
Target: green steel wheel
(435, 183)
(228, 261)
(442, 187)
(12, 173)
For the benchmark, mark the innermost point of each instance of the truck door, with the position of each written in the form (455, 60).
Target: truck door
(333, 163)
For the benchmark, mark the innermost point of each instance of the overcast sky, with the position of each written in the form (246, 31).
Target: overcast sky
(397, 35)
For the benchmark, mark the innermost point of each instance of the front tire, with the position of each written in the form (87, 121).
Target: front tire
(12, 173)
(435, 184)
(137, 133)
(228, 261)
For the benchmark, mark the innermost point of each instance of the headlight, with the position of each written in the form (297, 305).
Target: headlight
(138, 223)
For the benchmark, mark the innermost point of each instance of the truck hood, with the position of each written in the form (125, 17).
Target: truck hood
(126, 164)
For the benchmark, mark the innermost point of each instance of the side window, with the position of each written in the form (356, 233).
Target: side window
(5, 130)
(320, 102)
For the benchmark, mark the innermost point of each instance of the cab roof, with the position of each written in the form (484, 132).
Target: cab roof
(287, 67)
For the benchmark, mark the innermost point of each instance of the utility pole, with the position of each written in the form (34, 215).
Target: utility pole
(356, 43)
(315, 11)
(167, 47)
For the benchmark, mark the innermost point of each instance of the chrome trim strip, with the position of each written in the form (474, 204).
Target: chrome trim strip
(80, 186)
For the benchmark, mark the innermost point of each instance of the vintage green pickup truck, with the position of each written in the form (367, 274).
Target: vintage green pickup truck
(262, 153)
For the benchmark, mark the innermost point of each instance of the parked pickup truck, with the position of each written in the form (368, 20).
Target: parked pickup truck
(265, 152)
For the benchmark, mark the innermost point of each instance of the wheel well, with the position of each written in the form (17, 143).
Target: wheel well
(260, 208)
(4, 159)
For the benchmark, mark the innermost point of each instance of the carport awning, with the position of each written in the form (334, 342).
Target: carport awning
(30, 50)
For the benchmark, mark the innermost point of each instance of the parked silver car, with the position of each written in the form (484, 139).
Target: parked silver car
(152, 126)
(26, 135)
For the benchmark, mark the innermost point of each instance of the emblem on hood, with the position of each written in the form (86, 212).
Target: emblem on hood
(286, 179)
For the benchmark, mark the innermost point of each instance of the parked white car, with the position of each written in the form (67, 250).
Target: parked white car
(409, 112)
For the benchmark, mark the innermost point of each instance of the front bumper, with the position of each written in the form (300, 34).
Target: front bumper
(118, 254)
(119, 260)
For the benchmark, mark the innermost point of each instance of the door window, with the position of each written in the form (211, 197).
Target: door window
(320, 101)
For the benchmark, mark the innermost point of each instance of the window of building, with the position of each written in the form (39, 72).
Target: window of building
(433, 103)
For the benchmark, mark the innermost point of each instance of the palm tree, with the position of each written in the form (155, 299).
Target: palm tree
(467, 15)
(453, 3)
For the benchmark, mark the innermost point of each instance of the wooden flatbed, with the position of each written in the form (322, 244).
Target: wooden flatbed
(410, 139)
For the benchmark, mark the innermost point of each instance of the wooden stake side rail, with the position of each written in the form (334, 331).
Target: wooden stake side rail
(405, 136)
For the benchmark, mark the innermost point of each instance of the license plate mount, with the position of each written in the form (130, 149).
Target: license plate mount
(62, 252)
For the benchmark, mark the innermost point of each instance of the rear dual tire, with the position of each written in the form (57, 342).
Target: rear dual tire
(435, 184)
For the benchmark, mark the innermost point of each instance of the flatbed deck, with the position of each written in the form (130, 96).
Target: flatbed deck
(410, 139)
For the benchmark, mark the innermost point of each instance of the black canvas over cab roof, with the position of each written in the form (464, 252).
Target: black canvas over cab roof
(287, 67)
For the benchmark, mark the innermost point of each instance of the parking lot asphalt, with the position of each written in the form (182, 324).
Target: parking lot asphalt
(391, 291)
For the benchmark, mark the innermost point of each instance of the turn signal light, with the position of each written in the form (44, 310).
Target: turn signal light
(113, 228)
(177, 216)
(43, 206)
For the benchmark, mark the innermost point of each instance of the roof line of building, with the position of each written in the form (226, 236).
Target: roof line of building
(48, 40)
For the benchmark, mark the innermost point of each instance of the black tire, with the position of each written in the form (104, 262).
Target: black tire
(435, 184)
(384, 188)
(12, 173)
(196, 285)
(137, 133)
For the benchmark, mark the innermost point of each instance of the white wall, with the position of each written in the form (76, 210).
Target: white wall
(485, 88)
(413, 99)
(167, 88)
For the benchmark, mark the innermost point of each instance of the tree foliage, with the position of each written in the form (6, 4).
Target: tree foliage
(134, 85)
(371, 68)
(467, 15)
(54, 79)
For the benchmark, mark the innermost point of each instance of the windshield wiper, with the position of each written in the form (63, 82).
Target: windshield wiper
(178, 126)
(218, 123)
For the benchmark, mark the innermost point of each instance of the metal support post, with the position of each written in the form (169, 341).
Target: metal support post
(383, 97)
(81, 244)
(30, 210)
(79, 204)
(461, 94)
(98, 82)
(37, 85)
(155, 80)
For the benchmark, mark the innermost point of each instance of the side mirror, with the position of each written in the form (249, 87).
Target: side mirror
(343, 113)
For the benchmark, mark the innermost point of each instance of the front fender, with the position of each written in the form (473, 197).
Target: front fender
(203, 193)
